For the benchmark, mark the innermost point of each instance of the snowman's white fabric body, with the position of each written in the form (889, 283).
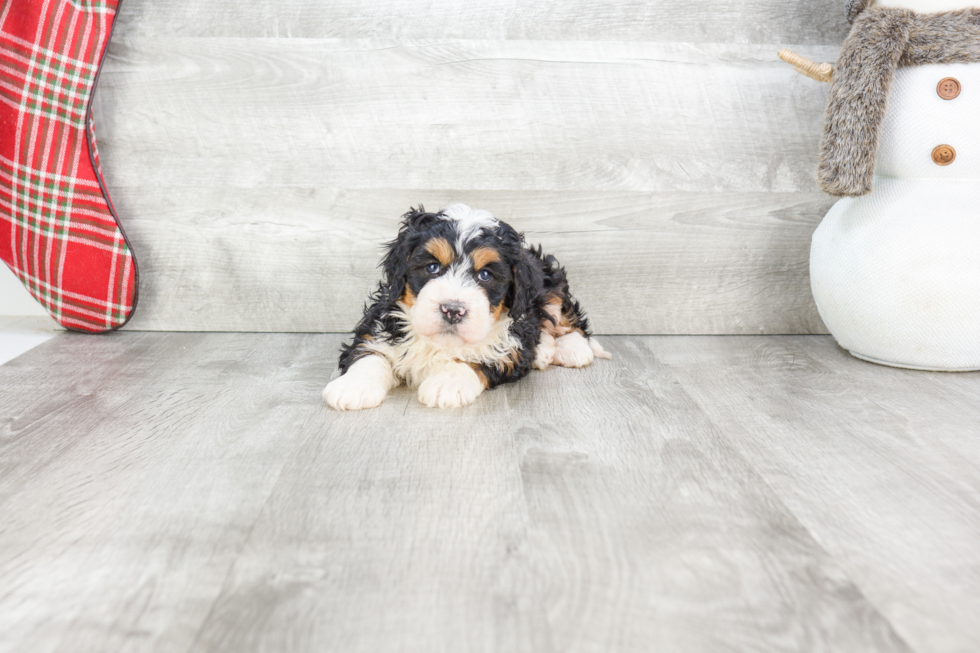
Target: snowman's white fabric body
(896, 273)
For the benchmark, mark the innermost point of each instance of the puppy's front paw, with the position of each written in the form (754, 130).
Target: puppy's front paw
(365, 385)
(451, 388)
(573, 350)
(347, 393)
(544, 353)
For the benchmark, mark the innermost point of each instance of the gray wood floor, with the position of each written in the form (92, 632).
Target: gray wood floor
(190, 492)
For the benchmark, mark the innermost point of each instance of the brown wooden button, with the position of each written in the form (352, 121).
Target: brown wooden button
(948, 88)
(944, 155)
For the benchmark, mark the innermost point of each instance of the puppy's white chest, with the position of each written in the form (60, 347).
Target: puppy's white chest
(415, 358)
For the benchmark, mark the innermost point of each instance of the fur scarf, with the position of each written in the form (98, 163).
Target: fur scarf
(881, 40)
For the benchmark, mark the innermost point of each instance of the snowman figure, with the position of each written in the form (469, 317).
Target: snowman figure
(895, 264)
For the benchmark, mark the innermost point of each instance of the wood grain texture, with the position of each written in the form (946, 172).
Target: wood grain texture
(652, 533)
(879, 464)
(208, 501)
(226, 259)
(721, 21)
(132, 494)
(502, 528)
(222, 128)
(480, 115)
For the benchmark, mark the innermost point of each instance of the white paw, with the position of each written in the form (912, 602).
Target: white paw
(544, 353)
(573, 350)
(451, 388)
(365, 385)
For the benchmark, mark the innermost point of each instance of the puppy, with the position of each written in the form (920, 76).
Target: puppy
(463, 306)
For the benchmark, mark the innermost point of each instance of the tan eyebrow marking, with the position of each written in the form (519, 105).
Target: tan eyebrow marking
(482, 256)
(441, 249)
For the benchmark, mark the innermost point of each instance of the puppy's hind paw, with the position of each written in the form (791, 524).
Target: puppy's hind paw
(598, 350)
(573, 350)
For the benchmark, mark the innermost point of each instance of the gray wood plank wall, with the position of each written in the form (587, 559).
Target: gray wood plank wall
(260, 154)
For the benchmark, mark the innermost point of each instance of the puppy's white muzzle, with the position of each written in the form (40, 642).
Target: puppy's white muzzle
(452, 308)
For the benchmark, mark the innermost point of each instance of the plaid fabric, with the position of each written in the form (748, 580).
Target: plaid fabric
(58, 230)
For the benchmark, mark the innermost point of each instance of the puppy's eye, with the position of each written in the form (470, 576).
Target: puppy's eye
(484, 275)
(433, 268)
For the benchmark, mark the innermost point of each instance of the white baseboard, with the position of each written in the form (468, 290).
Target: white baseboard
(18, 334)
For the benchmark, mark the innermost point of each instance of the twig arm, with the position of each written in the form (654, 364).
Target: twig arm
(822, 72)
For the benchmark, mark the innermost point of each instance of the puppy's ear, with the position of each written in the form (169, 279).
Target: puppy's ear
(526, 283)
(395, 261)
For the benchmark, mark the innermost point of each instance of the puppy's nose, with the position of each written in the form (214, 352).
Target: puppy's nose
(453, 312)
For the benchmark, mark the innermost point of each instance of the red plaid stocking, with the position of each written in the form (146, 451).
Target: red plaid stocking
(58, 228)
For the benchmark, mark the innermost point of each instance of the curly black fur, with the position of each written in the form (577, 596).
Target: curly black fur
(538, 278)
(379, 320)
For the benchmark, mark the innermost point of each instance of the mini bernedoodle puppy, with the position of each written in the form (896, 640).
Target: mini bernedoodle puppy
(463, 306)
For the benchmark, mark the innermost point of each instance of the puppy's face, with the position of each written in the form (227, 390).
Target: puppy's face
(458, 276)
